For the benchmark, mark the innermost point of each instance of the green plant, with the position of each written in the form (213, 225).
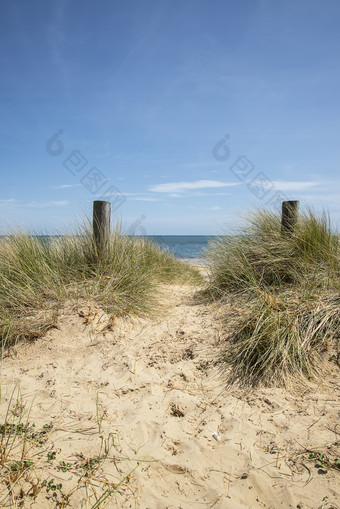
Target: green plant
(64, 466)
(60, 498)
(285, 293)
(324, 462)
(51, 455)
(20, 466)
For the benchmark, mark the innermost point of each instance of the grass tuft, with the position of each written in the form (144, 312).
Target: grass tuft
(37, 277)
(287, 291)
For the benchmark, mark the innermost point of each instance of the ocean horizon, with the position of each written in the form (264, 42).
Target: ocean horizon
(190, 248)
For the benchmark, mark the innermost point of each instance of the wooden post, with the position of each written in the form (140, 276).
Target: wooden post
(101, 224)
(289, 217)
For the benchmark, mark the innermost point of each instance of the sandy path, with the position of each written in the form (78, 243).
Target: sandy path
(147, 392)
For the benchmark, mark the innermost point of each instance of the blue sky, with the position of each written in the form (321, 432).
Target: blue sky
(184, 114)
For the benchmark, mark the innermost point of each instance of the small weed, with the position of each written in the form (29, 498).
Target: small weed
(88, 465)
(51, 486)
(324, 462)
(51, 455)
(20, 466)
(272, 449)
(64, 466)
(27, 430)
(58, 496)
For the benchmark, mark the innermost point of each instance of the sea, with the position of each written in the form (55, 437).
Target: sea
(190, 248)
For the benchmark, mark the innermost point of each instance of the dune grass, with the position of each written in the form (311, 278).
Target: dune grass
(38, 277)
(287, 288)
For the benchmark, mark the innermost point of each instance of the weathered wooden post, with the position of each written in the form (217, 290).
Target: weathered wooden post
(101, 224)
(289, 217)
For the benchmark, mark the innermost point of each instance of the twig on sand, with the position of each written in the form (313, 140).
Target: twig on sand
(317, 420)
(229, 481)
(214, 503)
(310, 474)
(189, 391)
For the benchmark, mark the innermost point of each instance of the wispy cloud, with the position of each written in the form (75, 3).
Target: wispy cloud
(286, 185)
(115, 194)
(7, 202)
(178, 187)
(34, 204)
(46, 204)
(144, 198)
(66, 186)
(215, 207)
(294, 186)
(194, 195)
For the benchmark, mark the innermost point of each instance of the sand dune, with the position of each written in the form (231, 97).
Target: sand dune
(146, 395)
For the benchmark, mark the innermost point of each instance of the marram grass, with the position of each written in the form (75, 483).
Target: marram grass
(259, 254)
(270, 343)
(38, 277)
(287, 289)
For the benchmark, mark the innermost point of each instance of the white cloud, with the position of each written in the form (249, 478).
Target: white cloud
(113, 193)
(8, 200)
(144, 198)
(66, 186)
(123, 194)
(286, 185)
(294, 186)
(45, 204)
(194, 195)
(178, 187)
(34, 204)
(216, 207)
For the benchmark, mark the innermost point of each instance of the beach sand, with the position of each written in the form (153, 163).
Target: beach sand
(148, 394)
